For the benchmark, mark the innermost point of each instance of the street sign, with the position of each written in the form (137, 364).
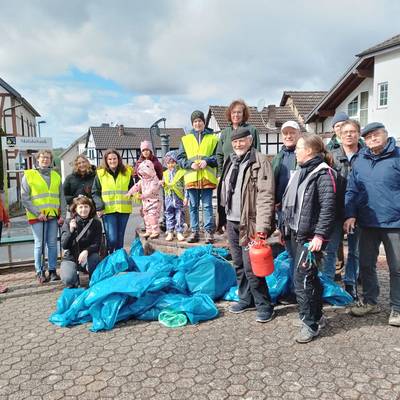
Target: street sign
(26, 143)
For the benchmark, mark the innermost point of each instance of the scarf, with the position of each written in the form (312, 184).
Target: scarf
(236, 161)
(289, 202)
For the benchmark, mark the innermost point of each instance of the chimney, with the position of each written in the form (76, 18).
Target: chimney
(271, 123)
(120, 130)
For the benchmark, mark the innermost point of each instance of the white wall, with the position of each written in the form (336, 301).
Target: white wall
(387, 69)
(366, 85)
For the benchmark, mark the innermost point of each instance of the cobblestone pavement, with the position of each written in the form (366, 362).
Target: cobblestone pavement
(231, 357)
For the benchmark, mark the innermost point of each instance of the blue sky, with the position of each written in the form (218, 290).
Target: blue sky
(132, 62)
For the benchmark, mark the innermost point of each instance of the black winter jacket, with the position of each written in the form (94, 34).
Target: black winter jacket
(318, 212)
(90, 241)
(76, 184)
(342, 166)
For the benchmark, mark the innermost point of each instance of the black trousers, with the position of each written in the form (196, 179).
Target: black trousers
(307, 285)
(253, 291)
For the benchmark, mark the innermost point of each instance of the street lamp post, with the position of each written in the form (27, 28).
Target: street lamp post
(39, 123)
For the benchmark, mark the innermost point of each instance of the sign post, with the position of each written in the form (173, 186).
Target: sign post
(20, 143)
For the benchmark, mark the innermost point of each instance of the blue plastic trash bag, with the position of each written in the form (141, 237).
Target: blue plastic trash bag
(119, 261)
(333, 293)
(210, 275)
(197, 308)
(232, 294)
(279, 282)
(136, 248)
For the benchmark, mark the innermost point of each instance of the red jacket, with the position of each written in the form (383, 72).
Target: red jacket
(3, 214)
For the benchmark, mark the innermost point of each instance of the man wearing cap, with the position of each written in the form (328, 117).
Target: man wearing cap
(246, 207)
(338, 119)
(283, 165)
(372, 202)
(285, 161)
(197, 156)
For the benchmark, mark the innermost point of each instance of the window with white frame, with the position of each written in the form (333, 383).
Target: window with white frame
(358, 108)
(352, 108)
(382, 94)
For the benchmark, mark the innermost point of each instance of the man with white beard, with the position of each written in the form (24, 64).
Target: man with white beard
(246, 207)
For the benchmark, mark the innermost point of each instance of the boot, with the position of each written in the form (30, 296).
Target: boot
(209, 238)
(53, 276)
(180, 237)
(193, 238)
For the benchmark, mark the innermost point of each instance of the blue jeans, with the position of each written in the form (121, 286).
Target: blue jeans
(194, 201)
(114, 226)
(352, 264)
(50, 240)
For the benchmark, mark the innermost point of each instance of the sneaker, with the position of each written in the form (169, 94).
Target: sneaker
(193, 238)
(3, 289)
(351, 290)
(359, 310)
(180, 237)
(53, 276)
(209, 238)
(238, 308)
(306, 334)
(323, 321)
(265, 316)
(41, 277)
(394, 318)
(154, 235)
(169, 237)
(146, 235)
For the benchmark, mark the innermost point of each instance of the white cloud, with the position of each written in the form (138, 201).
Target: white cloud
(174, 56)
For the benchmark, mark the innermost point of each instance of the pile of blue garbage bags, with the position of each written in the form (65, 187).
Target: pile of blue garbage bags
(172, 289)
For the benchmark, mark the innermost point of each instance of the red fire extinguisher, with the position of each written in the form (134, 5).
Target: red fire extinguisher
(262, 262)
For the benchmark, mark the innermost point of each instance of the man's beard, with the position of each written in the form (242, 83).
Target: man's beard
(242, 152)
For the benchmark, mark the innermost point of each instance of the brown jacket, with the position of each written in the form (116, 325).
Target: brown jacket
(257, 198)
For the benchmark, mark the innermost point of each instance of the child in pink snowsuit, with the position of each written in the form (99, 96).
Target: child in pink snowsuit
(149, 189)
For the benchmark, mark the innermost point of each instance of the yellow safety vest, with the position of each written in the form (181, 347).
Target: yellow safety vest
(46, 198)
(195, 152)
(113, 191)
(172, 186)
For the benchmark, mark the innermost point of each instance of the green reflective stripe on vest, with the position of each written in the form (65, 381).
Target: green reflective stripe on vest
(172, 186)
(113, 191)
(45, 198)
(195, 152)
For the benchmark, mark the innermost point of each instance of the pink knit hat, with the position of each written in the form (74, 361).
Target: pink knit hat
(146, 145)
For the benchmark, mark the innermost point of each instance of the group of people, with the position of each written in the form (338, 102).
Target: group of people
(316, 196)
(312, 195)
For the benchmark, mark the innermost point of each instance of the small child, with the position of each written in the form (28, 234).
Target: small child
(174, 197)
(149, 189)
(147, 154)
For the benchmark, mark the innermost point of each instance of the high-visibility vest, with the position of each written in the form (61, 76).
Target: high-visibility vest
(44, 197)
(113, 191)
(195, 152)
(173, 186)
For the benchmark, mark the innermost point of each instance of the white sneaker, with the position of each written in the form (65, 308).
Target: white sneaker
(169, 237)
(180, 237)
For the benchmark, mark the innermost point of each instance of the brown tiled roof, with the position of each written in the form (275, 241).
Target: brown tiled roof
(283, 114)
(303, 101)
(392, 42)
(106, 137)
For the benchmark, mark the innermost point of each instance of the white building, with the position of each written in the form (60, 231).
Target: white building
(68, 156)
(17, 118)
(368, 91)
